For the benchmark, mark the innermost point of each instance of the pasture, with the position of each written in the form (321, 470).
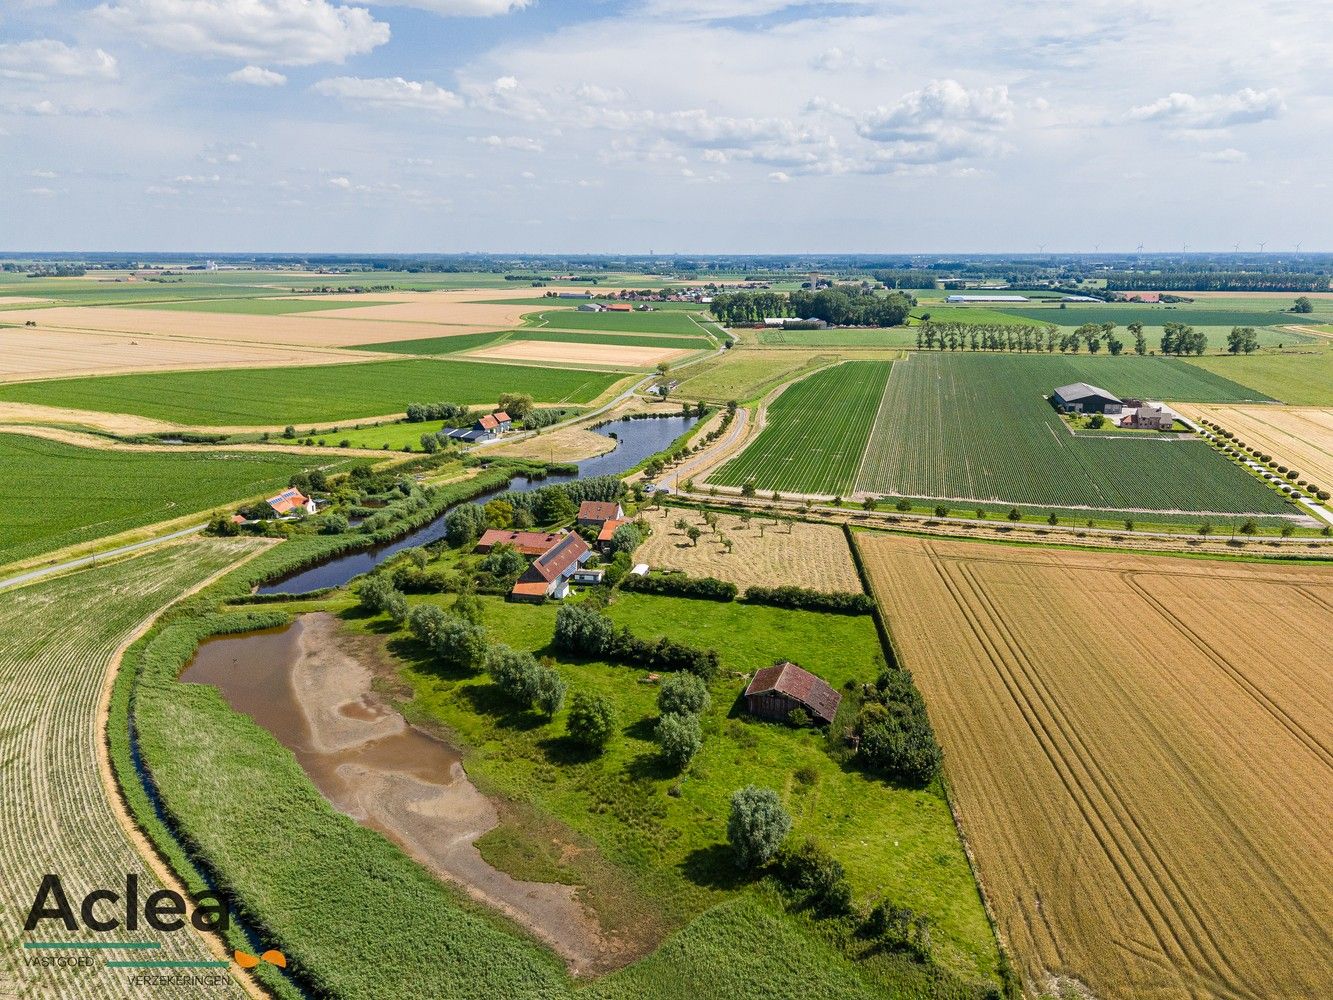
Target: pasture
(894, 337)
(1138, 747)
(53, 495)
(1124, 313)
(57, 639)
(1298, 378)
(969, 427)
(1299, 437)
(309, 395)
(744, 374)
(456, 343)
(815, 432)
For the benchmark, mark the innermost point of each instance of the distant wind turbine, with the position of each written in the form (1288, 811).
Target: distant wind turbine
(1139, 248)
(1041, 248)
(1262, 244)
(1096, 248)
(1298, 246)
(1235, 247)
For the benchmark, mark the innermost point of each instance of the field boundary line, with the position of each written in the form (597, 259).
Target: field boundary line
(138, 840)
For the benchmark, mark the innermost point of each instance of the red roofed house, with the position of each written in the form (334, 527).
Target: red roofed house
(528, 543)
(620, 307)
(549, 574)
(776, 691)
(494, 424)
(599, 511)
(291, 500)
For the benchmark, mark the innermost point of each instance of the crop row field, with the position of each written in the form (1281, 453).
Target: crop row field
(815, 434)
(53, 495)
(980, 428)
(57, 638)
(310, 395)
(1299, 437)
(1141, 754)
(655, 321)
(1197, 314)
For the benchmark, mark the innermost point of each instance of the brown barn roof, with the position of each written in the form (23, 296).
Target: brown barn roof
(598, 510)
(557, 559)
(529, 543)
(789, 679)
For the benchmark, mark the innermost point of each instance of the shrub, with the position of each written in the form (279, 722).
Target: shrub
(895, 734)
(680, 585)
(592, 721)
(585, 631)
(757, 825)
(454, 641)
(804, 599)
(504, 561)
(548, 691)
(814, 873)
(375, 593)
(335, 524)
(683, 694)
(900, 929)
(903, 505)
(627, 538)
(679, 738)
(464, 524)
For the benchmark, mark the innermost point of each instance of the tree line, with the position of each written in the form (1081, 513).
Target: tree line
(1218, 281)
(845, 305)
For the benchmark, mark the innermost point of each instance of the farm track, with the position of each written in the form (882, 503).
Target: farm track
(58, 639)
(1144, 784)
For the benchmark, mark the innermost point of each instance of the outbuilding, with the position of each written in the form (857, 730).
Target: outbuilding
(777, 691)
(1080, 397)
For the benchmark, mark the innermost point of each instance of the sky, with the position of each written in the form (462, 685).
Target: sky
(674, 126)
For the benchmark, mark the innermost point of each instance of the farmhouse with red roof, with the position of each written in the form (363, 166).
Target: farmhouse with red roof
(291, 500)
(776, 691)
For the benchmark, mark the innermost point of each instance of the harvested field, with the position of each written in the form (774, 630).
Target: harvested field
(30, 353)
(1300, 437)
(807, 555)
(1141, 761)
(568, 444)
(563, 352)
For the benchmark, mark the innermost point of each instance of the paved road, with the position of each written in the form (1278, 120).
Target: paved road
(37, 574)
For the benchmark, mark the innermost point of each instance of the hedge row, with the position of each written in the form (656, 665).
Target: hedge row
(679, 585)
(804, 599)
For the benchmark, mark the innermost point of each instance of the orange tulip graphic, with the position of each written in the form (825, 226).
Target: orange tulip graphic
(273, 957)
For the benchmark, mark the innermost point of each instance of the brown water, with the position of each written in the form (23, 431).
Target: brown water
(314, 696)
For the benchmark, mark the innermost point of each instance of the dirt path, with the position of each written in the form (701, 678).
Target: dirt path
(369, 763)
(111, 787)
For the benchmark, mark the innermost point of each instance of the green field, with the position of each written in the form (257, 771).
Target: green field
(665, 321)
(894, 337)
(815, 434)
(1076, 314)
(455, 344)
(309, 395)
(55, 494)
(1302, 379)
(971, 427)
(743, 374)
(261, 307)
(669, 342)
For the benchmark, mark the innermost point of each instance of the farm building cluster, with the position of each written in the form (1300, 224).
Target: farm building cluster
(487, 427)
(1138, 414)
(558, 557)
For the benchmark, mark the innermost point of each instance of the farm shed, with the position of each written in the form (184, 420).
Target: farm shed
(1080, 397)
(591, 307)
(986, 298)
(776, 691)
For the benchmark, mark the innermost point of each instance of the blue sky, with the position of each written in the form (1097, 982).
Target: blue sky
(690, 125)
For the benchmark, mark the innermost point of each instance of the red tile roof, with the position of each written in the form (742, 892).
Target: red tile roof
(502, 417)
(488, 422)
(789, 679)
(525, 589)
(609, 528)
(598, 510)
(529, 543)
(288, 500)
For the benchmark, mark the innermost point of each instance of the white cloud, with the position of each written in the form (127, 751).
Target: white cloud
(920, 114)
(257, 76)
(386, 92)
(1228, 155)
(340, 182)
(42, 192)
(1214, 111)
(45, 175)
(460, 8)
(197, 179)
(519, 142)
(47, 59)
(779, 177)
(834, 59)
(285, 32)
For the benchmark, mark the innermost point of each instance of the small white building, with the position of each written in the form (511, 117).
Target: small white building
(591, 307)
(986, 298)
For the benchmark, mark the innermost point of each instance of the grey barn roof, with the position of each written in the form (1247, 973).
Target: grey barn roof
(1081, 390)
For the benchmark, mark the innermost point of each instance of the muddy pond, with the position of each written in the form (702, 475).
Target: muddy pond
(309, 688)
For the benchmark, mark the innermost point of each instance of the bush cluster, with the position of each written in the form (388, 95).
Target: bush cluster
(524, 680)
(680, 585)
(377, 595)
(804, 599)
(585, 631)
(895, 735)
(421, 412)
(453, 639)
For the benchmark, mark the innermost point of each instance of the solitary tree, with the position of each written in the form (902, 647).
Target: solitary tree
(693, 534)
(591, 721)
(757, 826)
(679, 738)
(1303, 305)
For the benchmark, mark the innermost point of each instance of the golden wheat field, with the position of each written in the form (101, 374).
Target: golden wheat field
(1141, 752)
(763, 552)
(1297, 436)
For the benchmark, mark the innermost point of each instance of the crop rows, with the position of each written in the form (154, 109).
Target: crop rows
(56, 639)
(54, 494)
(1089, 706)
(815, 434)
(979, 428)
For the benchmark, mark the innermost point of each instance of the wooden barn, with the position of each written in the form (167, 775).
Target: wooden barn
(774, 692)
